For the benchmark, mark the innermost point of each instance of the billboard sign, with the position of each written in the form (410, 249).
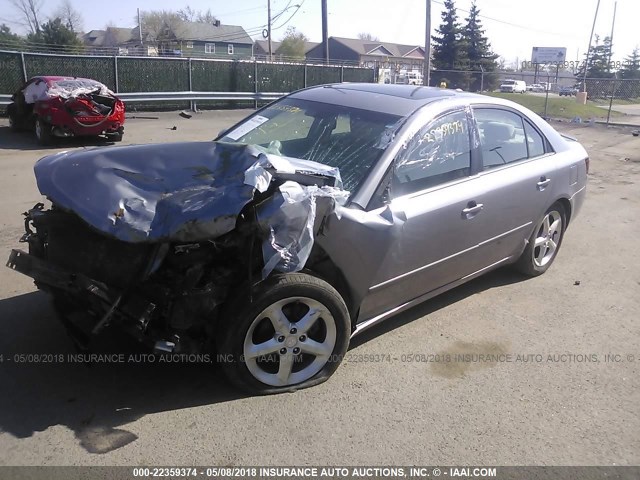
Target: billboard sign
(548, 54)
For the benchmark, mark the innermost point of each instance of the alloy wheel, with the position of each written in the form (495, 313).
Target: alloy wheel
(547, 238)
(289, 341)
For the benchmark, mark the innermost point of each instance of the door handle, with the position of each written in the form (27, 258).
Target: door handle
(472, 209)
(544, 181)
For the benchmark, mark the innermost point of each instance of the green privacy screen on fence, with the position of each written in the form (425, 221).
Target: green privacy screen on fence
(153, 74)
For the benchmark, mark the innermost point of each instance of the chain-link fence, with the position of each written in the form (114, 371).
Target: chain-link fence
(152, 74)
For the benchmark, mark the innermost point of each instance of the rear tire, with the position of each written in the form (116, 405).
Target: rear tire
(13, 120)
(292, 335)
(43, 132)
(544, 242)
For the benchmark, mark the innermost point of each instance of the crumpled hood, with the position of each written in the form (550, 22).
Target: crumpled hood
(187, 191)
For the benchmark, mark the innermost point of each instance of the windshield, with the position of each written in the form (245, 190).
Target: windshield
(347, 138)
(509, 82)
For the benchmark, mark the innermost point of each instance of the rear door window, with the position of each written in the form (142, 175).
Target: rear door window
(502, 137)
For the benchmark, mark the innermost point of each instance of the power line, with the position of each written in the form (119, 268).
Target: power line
(515, 25)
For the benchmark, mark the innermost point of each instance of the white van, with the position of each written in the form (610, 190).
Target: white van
(513, 86)
(413, 77)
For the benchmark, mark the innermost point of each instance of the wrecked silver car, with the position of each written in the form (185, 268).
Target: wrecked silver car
(313, 219)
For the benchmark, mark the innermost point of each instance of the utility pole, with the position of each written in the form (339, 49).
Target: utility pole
(325, 35)
(586, 60)
(613, 23)
(427, 46)
(269, 29)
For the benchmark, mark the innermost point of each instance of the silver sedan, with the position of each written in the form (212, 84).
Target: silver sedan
(308, 222)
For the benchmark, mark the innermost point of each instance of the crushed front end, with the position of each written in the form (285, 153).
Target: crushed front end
(165, 294)
(141, 239)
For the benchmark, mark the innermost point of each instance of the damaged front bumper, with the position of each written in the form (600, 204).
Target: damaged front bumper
(104, 305)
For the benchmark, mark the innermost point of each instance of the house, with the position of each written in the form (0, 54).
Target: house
(370, 53)
(261, 49)
(107, 42)
(199, 39)
(180, 38)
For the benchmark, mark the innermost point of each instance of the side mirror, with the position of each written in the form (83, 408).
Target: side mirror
(221, 133)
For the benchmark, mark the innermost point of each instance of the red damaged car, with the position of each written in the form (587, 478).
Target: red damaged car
(67, 107)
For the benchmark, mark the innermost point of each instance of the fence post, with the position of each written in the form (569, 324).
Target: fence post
(24, 67)
(341, 73)
(115, 73)
(613, 92)
(546, 98)
(255, 81)
(191, 85)
(305, 75)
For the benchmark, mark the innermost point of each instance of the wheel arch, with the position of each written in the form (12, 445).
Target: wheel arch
(566, 204)
(321, 265)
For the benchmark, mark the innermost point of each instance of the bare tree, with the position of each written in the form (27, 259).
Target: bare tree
(368, 36)
(69, 16)
(29, 11)
(162, 26)
(189, 14)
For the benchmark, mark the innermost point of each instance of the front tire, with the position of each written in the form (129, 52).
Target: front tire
(544, 243)
(293, 335)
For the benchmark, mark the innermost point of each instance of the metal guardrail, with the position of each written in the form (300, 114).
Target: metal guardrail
(184, 96)
(195, 96)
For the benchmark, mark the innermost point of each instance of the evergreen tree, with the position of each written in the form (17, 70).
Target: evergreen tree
(631, 71)
(54, 32)
(479, 53)
(8, 39)
(449, 49)
(631, 65)
(597, 64)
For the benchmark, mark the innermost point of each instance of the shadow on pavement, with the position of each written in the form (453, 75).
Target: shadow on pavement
(23, 140)
(94, 400)
(496, 278)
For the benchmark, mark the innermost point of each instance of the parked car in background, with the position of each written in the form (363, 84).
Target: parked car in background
(567, 91)
(513, 86)
(536, 87)
(66, 107)
(315, 218)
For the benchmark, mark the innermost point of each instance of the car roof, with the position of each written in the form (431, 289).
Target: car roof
(400, 100)
(54, 78)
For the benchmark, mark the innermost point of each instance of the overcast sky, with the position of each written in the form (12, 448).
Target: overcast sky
(512, 26)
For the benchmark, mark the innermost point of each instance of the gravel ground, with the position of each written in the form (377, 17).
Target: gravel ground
(559, 400)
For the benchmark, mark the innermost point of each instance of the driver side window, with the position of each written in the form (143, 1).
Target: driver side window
(438, 153)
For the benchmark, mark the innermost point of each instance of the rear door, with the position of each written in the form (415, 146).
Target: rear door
(518, 173)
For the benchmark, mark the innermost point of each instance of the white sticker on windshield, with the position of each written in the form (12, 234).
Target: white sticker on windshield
(246, 127)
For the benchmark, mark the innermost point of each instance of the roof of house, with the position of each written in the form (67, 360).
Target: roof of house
(110, 36)
(190, 31)
(264, 45)
(369, 47)
(210, 32)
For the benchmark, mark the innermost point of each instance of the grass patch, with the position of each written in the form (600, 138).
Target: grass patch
(558, 107)
(617, 101)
